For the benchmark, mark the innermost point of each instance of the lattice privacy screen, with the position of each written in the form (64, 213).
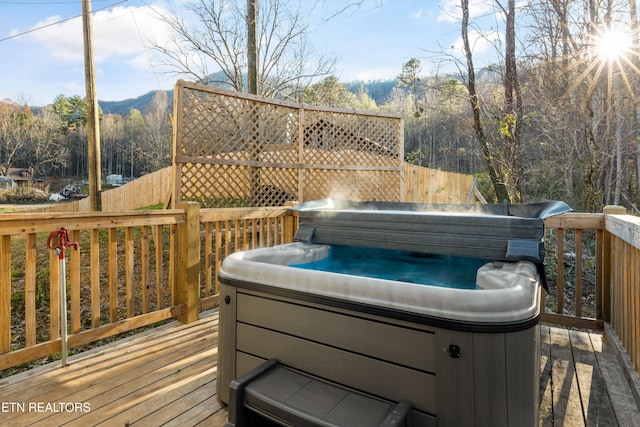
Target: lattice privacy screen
(235, 150)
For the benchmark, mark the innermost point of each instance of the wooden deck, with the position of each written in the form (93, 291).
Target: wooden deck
(167, 376)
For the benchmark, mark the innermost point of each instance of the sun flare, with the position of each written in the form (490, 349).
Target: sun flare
(612, 44)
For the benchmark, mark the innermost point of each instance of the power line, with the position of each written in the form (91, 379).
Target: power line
(57, 22)
(40, 3)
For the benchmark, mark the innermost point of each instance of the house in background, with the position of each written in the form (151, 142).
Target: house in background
(21, 176)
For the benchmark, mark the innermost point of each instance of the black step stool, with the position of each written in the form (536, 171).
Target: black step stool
(290, 398)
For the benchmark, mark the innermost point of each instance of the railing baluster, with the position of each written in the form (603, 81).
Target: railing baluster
(74, 282)
(634, 322)
(218, 252)
(113, 275)
(172, 263)
(5, 294)
(237, 235)
(602, 294)
(560, 279)
(95, 277)
(626, 300)
(254, 232)
(30, 290)
(578, 272)
(208, 265)
(145, 281)
(129, 265)
(54, 296)
(227, 238)
(157, 231)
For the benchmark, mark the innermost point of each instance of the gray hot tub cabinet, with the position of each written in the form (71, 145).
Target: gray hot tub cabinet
(450, 377)
(459, 357)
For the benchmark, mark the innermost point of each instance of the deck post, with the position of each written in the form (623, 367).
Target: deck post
(290, 225)
(187, 276)
(606, 263)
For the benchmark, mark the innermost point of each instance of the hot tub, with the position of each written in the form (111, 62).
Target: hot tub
(413, 310)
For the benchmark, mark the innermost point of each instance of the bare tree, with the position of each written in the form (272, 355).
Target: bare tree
(112, 136)
(635, 31)
(14, 119)
(489, 150)
(513, 108)
(157, 140)
(47, 151)
(30, 141)
(211, 35)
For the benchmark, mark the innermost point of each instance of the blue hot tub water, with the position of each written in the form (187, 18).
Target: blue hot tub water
(426, 269)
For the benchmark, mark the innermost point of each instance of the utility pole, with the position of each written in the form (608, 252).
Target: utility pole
(252, 47)
(252, 88)
(93, 124)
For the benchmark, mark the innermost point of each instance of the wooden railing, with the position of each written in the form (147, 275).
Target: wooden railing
(132, 269)
(575, 270)
(596, 279)
(623, 261)
(230, 230)
(117, 279)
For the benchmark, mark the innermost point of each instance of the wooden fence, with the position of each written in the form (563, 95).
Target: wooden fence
(425, 185)
(148, 190)
(422, 185)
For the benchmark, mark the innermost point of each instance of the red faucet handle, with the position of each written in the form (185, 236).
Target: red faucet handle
(63, 241)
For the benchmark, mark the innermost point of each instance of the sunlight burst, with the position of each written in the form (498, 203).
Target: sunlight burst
(612, 44)
(612, 55)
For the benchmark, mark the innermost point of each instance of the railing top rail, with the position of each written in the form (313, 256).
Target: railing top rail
(222, 214)
(592, 221)
(11, 224)
(282, 103)
(626, 227)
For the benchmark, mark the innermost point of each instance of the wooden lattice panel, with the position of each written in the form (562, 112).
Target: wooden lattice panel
(233, 149)
(342, 184)
(365, 140)
(216, 123)
(216, 186)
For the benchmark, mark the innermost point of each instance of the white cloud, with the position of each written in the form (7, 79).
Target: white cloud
(451, 12)
(121, 31)
(417, 14)
(480, 43)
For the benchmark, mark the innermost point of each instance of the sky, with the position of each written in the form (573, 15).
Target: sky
(41, 43)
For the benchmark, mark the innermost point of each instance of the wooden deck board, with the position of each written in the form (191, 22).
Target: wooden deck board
(167, 377)
(160, 377)
(582, 383)
(118, 376)
(624, 405)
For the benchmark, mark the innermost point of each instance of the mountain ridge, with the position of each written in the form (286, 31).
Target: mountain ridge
(378, 90)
